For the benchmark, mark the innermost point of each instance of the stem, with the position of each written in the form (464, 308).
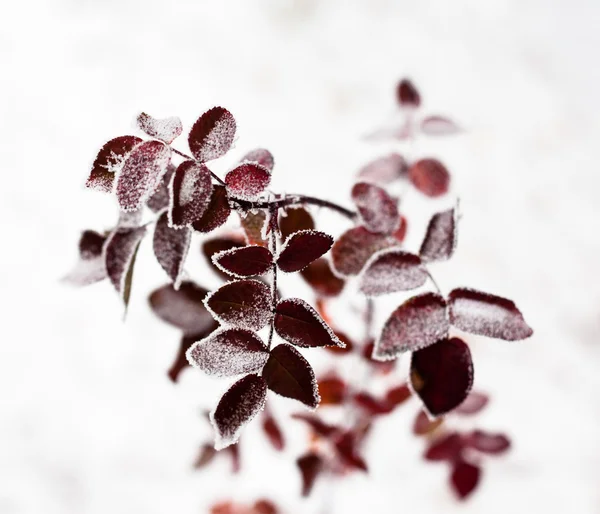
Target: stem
(433, 281)
(185, 156)
(273, 247)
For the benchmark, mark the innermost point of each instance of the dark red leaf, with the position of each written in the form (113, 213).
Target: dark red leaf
(302, 248)
(293, 220)
(354, 248)
(191, 193)
(120, 252)
(183, 307)
(171, 247)
(248, 261)
(91, 244)
(109, 161)
(400, 232)
(372, 405)
(487, 315)
(430, 177)
(244, 400)
(217, 212)
(486, 442)
(319, 427)
(344, 339)
(229, 352)
(211, 247)
(332, 390)
(473, 404)
(242, 303)
(260, 156)
(141, 174)
(398, 395)
(254, 225)
(165, 129)
(346, 447)
(247, 180)
(385, 169)
(407, 94)
(212, 134)
(205, 456)
(417, 323)
(161, 198)
(442, 375)
(423, 425)
(378, 210)
(464, 478)
(180, 363)
(447, 447)
(319, 276)
(273, 431)
(440, 239)
(311, 465)
(289, 374)
(298, 323)
(439, 126)
(392, 270)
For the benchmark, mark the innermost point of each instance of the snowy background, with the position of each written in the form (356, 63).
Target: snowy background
(90, 424)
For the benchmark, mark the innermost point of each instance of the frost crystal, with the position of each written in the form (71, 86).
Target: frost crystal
(378, 210)
(354, 248)
(171, 247)
(212, 134)
(440, 239)
(191, 190)
(166, 129)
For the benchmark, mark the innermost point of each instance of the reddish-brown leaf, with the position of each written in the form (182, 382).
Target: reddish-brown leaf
(212, 134)
(273, 431)
(419, 322)
(447, 447)
(439, 126)
(332, 390)
(487, 315)
(289, 374)
(464, 478)
(487, 442)
(229, 352)
(298, 323)
(171, 247)
(260, 156)
(293, 220)
(442, 375)
(217, 212)
(302, 248)
(424, 425)
(353, 249)
(407, 94)
(319, 276)
(378, 210)
(318, 426)
(255, 225)
(213, 246)
(440, 239)
(109, 162)
(392, 270)
(191, 193)
(398, 395)
(400, 232)
(311, 465)
(385, 169)
(430, 177)
(165, 129)
(346, 446)
(247, 180)
(248, 261)
(473, 404)
(244, 400)
(241, 303)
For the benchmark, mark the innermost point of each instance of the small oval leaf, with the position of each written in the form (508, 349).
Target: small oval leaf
(486, 442)
(248, 261)
(353, 249)
(319, 276)
(171, 248)
(407, 94)
(165, 129)
(430, 177)
(385, 169)
(217, 212)
(260, 156)
(212, 135)
(247, 180)
(191, 192)
(440, 239)
(378, 210)
(439, 126)
(109, 161)
(302, 248)
(464, 478)
(311, 465)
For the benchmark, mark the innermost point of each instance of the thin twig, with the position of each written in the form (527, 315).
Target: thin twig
(273, 212)
(433, 281)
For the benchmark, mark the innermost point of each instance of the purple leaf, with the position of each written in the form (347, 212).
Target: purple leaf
(247, 180)
(289, 374)
(487, 315)
(440, 239)
(407, 94)
(298, 323)
(442, 375)
(353, 249)
(293, 220)
(120, 252)
(109, 161)
(486, 442)
(255, 225)
(439, 126)
(430, 177)
(191, 192)
(301, 248)
(141, 174)
(385, 169)
(171, 248)
(378, 210)
(242, 303)
(217, 212)
(419, 322)
(165, 129)
(310, 465)
(319, 276)
(212, 135)
(243, 262)
(229, 352)
(238, 406)
(260, 156)
(211, 247)
(392, 270)
(464, 478)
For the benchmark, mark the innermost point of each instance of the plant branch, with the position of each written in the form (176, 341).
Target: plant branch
(273, 211)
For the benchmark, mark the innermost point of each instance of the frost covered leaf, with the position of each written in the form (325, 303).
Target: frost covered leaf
(183, 307)
(439, 126)
(247, 180)
(109, 162)
(385, 169)
(244, 400)
(90, 268)
(191, 192)
(392, 270)
(260, 156)
(212, 135)
(298, 323)
(319, 276)
(273, 431)
(423, 425)
(161, 198)
(289, 374)
(473, 404)
(211, 247)
(141, 174)
(487, 315)
(430, 177)
(229, 352)
(301, 248)
(293, 220)
(442, 375)
(120, 251)
(254, 225)
(217, 212)
(440, 239)
(180, 363)
(311, 465)
(487, 442)
(464, 478)
(242, 303)
(248, 261)
(165, 129)
(407, 94)
(354, 248)
(378, 210)
(171, 247)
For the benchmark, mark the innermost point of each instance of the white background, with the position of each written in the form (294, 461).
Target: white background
(89, 422)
